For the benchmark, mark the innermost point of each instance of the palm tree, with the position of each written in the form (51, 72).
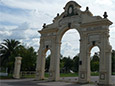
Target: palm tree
(7, 50)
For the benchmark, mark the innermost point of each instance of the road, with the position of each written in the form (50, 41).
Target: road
(65, 81)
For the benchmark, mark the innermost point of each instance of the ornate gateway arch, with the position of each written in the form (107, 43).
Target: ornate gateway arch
(93, 30)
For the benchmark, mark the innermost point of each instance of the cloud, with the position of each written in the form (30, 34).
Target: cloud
(21, 19)
(5, 17)
(94, 50)
(13, 11)
(112, 37)
(104, 2)
(34, 4)
(24, 33)
(4, 32)
(70, 43)
(67, 50)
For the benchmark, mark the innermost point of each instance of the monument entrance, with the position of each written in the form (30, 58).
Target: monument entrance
(93, 31)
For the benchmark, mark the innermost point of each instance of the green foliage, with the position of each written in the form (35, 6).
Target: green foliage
(28, 76)
(113, 73)
(7, 53)
(47, 75)
(67, 64)
(113, 60)
(47, 64)
(76, 63)
(28, 58)
(95, 63)
(10, 49)
(6, 77)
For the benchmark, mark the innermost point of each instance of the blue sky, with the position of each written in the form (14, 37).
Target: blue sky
(21, 19)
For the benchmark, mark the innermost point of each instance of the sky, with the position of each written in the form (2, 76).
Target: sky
(21, 20)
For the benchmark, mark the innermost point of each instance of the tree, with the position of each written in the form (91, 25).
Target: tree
(10, 49)
(7, 53)
(47, 64)
(61, 64)
(95, 63)
(68, 64)
(113, 60)
(76, 63)
(28, 58)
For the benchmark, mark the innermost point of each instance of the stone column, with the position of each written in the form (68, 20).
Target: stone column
(88, 68)
(105, 66)
(108, 67)
(40, 67)
(17, 67)
(51, 68)
(105, 60)
(55, 62)
(84, 62)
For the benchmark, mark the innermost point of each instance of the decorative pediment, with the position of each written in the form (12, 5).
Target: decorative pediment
(75, 4)
(73, 16)
(71, 9)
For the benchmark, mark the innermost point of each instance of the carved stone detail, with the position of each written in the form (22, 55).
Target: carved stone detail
(93, 30)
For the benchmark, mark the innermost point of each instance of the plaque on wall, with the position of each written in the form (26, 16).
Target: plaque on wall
(94, 38)
(47, 42)
(82, 75)
(102, 76)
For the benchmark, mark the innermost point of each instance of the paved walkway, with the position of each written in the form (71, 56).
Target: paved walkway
(31, 82)
(68, 81)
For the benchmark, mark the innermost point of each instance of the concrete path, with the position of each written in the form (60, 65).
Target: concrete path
(31, 82)
(67, 81)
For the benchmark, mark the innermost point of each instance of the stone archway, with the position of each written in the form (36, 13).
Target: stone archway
(93, 30)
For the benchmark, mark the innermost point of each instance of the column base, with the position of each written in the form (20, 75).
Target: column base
(37, 78)
(16, 77)
(80, 81)
(53, 79)
(106, 84)
(83, 78)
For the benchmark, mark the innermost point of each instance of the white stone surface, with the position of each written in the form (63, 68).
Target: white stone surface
(93, 31)
(17, 67)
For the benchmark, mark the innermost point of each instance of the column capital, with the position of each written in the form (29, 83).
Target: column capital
(18, 58)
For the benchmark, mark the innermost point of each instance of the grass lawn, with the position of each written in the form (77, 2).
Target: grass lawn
(68, 74)
(6, 77)
(113, 73)
(94, 74)
(47, 75)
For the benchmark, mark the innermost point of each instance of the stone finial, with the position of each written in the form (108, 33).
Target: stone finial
(57, 14)
(105, 15)
(87, 8)
(44, 25)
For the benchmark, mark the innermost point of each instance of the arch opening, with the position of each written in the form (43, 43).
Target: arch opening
(69, 61)
(94, 62)
(47, 62)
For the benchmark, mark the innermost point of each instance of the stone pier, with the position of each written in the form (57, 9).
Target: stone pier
(17, 67)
